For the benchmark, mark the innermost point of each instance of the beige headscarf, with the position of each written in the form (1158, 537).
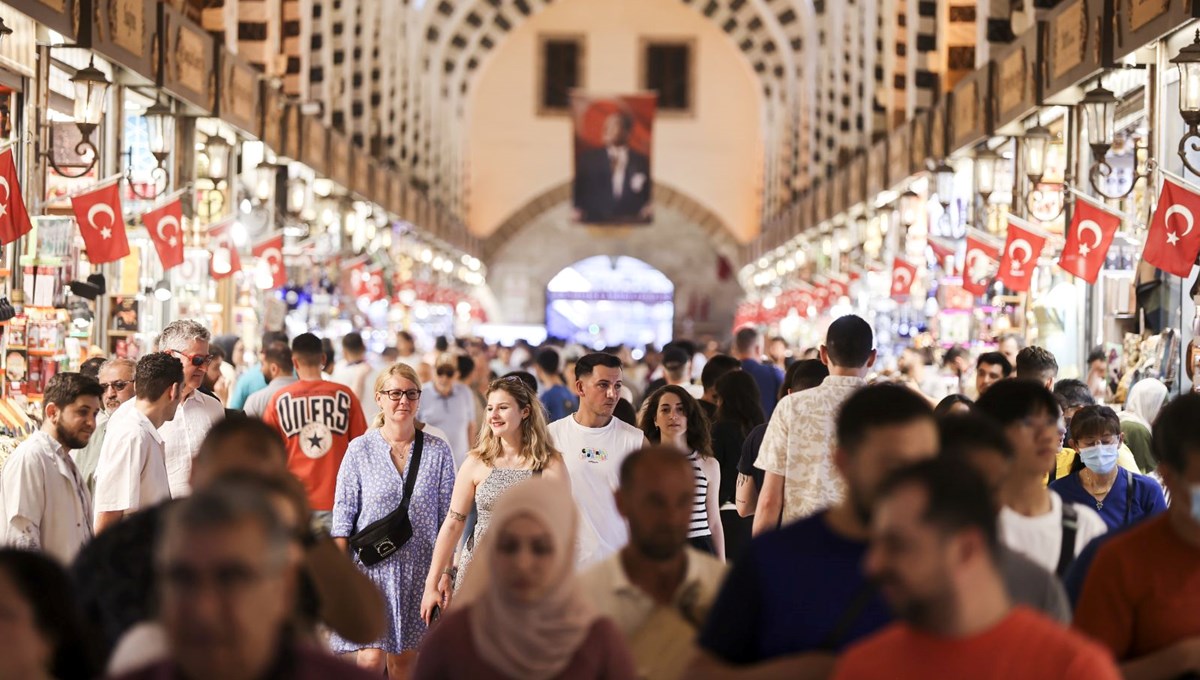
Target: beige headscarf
(537, 640)
(1145, 400)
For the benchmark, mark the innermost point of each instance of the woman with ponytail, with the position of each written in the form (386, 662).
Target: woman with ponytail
(513, 447)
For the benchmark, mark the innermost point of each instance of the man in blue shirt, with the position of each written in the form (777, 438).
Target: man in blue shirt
(558, 400)
(252, 379)
(798, 596)
(748, 347)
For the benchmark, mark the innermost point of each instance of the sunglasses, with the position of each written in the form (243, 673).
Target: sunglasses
(448, 372)
(117, 385)
(395, 395)
(196, 360)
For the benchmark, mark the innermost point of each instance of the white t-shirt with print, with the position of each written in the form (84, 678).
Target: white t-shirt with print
(593, 456)
(1040, 538)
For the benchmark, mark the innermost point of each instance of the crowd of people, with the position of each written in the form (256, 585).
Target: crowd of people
(550, 512)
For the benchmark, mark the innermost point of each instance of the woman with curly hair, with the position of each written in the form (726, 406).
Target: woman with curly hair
(514, 447)
(674, 417)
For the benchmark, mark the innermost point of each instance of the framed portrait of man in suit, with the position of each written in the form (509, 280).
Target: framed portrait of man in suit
(613, 181)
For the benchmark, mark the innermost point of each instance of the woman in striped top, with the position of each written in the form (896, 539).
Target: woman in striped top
(673, 417)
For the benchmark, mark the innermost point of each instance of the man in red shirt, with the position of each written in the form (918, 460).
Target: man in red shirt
(317, 419)
(1141, 596)
(934, 555)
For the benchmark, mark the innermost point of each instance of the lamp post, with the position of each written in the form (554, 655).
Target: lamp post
(91, 87)
(216, 149)
(944, 181)
(1036, 148)
(1099, 108)
(1188, 62)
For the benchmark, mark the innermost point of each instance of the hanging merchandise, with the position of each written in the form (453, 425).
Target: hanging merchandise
(225, 258)
(98, 213)
(14, 219)
(1021, 253)
(982, 253)
(1088, 239)
(1173, 242)
(270, 272)
(903, 275)
(165, 224)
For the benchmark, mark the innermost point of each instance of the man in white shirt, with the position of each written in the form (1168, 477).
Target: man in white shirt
(116, 380)
(43, 496)
(278, 369)
(594, 444)
(797, 449)
(1034, 521)
(188, 341)
(677, 370)
(132, 473)
(657, 586)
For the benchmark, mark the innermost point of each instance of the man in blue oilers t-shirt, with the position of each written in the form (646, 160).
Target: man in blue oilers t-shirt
(798, 596)
(748, 347)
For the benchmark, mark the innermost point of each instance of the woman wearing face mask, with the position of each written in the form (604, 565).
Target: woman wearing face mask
(523, 613)
(1120, 497)
(673, 417)
(514, 447)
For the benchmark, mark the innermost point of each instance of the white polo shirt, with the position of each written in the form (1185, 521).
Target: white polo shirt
(132, 472)
(46, 505)
(629, 606)
(183, 435)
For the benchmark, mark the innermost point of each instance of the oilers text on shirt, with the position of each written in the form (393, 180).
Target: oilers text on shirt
(314, 418)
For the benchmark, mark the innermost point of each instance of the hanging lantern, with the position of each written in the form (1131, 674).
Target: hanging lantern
(1036, 144)
(1188, 61)
(944, 176)
(1099, 107)
(217, 150)
(985, 172)
(91, 86)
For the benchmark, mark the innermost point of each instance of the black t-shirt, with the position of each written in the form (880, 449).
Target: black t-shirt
(750, 449)
(727, 440)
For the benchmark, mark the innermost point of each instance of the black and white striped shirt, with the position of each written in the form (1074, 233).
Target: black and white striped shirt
(699, 526)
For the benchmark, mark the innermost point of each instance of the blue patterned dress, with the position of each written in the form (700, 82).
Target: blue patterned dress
(368, 488)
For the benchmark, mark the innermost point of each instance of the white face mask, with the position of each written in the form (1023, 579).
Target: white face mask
(1101, 458)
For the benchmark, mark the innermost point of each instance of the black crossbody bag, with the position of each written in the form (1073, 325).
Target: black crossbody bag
(374, 542)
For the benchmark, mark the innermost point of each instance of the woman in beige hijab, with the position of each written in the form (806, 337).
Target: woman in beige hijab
(521, 613)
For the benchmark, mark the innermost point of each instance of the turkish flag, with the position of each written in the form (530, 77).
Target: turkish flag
(270, 257)
(1020, 256)
(839, 288)
(977, 265)
(1174, 242)
(376, 289)
(225, 259)
(98, 213)
(14, 219)
(1088, 240)
(903, 275)
(165, 225)
(941, 249)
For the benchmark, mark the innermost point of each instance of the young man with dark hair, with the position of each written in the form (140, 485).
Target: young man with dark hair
(1141, 594)
(252, 380)
(796, 448)
(317, 419)
(748, 348)
(1097, 377)
(594, 444)
(1035, 521)
(783, 609)
(934, 552)
(1035, 363)
(132, 472)
(45, 501)
(353, 371)
(957, 363)
(716, 366)
(278, 369)
(559, 401)
(990, 368)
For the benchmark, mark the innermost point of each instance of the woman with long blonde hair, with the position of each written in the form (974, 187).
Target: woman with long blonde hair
(513, 447)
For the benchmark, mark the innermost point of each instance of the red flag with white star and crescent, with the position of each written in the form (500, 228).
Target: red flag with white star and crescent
(1020, 256)
(903, 275)
(225, 260)
(1088, 239)
(165, 225)
(14, 219)
(270, 255)
(98, 214)
(977, 264)
(1173, 241)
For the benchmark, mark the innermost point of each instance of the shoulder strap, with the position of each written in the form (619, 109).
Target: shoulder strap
(1070, 528)
(1130, 481)
(414, 467)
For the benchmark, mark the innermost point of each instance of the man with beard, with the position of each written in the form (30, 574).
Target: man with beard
(934, 553)
(46, 505)
(116, 379)
(798, 596)
(657, 587)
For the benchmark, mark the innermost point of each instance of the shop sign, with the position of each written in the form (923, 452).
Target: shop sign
(1015, 81)
(969, 116)
(1076, 44)
(293, 132)
(897, 153)
(339, 159)
(239, 89)
(856, 177)
(314, 145)
(876, 168)
(273, 110)
(187, 67)
(123, 30)
(1140, 22)
(57, 15)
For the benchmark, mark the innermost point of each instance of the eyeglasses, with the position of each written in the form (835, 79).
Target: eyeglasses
(118, 385)
(196, 360)
(395, 395)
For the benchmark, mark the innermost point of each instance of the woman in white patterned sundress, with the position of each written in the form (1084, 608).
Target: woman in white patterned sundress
(513, 447)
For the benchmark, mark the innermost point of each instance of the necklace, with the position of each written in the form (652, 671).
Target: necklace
(1089, 485)
(398, 450)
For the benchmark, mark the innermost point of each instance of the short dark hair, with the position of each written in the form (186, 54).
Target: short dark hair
(658, 454)
(1011, 400)
(1036, 363)
(405, 336)
(548, 360)
(352, 343)
(1094, 420)
(52, 598)
(625, 412)
(91, 367)
(273, 336)
(1071, 393)
(588, 363)
(963, 433)
(717, 366)
(954, 353)
(279, 355)
(995, 359)
(65, 388)
(849, 342)
(1097, 354)
(956, 496)
(156, 373)
(465, 366)
(266, 439)
(745, 338)
(879, 405)
(307, 349)
(949, 402)
(525, 377)
(1175, 435)
(804, 374)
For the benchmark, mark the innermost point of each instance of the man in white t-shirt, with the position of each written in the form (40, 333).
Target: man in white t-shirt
(132, 472)
(594, 444)
(1034, 521)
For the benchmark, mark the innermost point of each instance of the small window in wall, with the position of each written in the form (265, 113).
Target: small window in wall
(561, 72)
(667, 70)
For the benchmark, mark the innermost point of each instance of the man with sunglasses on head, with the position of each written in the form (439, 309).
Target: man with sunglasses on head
(188, 341)
(116, 379)
(317, 419)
